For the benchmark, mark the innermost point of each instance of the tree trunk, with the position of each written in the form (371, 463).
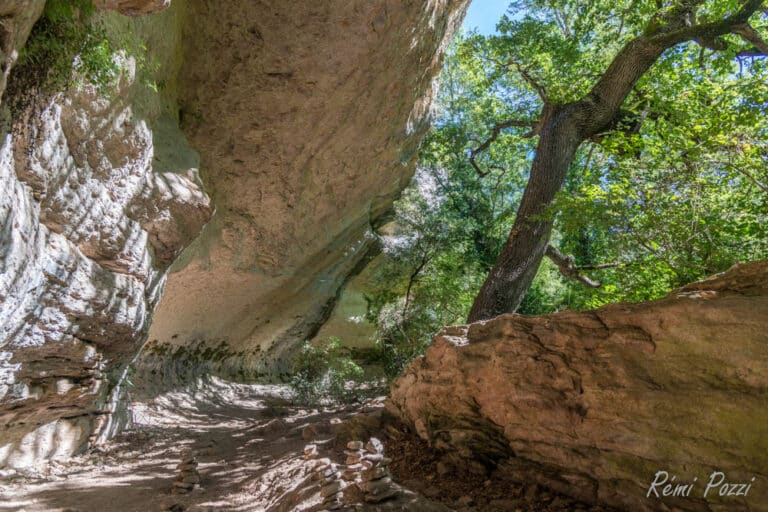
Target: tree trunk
(516, 266)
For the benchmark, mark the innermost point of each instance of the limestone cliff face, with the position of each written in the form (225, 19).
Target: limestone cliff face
(100, 193)
(594, 404)
(307, 116)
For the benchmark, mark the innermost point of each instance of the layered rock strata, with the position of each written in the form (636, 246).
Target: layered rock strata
(100, 194)
(596, 404)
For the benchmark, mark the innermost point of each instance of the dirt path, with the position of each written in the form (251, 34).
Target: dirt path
(248, 439)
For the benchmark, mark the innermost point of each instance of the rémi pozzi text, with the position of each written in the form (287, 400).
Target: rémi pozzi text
(664, 485)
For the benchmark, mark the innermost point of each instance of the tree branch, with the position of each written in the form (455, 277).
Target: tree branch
(495, 132)
(666, 30)
(411, 282)
(531, 81)
(568, 268)
(601, 266)
(748, 33)
(688, 32)
(751, 178)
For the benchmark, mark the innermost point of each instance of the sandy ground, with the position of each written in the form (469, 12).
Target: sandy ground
(248, 439)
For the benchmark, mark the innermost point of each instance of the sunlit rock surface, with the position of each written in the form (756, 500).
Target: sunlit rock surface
(307, 116)
(593, 404)
(99, 196)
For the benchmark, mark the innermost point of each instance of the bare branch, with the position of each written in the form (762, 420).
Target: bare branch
(530, 80)
(751, 35)
(495, 132)
(568, 268)
(411, 282)
(525, 75)
(717, 44)
(601, 266)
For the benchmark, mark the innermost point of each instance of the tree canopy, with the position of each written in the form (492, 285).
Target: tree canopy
(625, 140)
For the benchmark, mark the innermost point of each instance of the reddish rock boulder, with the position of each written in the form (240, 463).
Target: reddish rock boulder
(595, 403)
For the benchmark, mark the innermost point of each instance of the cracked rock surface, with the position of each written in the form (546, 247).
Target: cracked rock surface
(592, 404)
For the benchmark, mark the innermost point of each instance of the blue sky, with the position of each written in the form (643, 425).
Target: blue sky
(484, 14)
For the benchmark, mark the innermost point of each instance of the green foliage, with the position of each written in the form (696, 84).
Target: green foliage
(325, 373)
(682, 196)
(449, 225)
(66, 43)
(674, 192)
(677, 190)
(70, 45)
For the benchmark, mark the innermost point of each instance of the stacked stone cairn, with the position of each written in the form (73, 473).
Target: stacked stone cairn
(355, 452)
(331, 486)
(188, 476)
(369, 469)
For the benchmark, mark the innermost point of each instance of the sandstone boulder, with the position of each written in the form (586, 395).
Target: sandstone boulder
(595, 403)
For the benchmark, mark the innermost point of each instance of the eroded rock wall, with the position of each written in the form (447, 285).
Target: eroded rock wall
(100, 194)
(595, 403)
(307, 116)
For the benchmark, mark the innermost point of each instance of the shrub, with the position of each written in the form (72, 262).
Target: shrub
(325, 373)
(66, 43)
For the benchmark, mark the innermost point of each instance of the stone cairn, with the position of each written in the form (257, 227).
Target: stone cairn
(331, 487)
(188, 476)
(369, 469)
